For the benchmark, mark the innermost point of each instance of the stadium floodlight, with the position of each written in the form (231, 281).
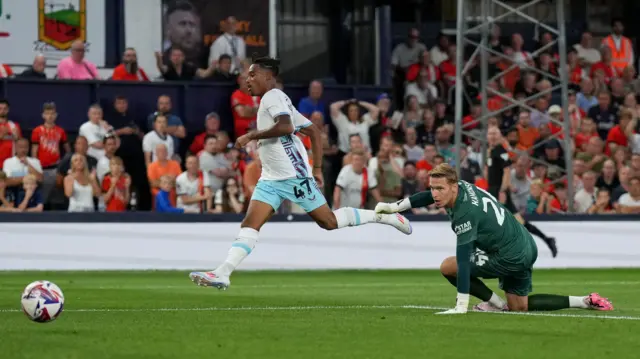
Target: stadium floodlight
(493, 12)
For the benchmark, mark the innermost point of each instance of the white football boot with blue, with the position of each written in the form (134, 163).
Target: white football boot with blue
(210, 279)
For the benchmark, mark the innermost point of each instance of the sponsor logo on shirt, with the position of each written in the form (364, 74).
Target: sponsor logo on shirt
(462, 228)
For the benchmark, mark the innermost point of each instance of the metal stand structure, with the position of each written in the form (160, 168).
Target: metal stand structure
(465, 36)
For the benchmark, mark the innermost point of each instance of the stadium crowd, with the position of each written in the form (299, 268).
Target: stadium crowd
(373, 151)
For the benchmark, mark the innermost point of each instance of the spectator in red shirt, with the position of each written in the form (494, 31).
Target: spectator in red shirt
(245, 107)
(46, 141)
(432, 71)
(559, 203)
(604, 65)
(588, 130)
(116, 187)
(9, 133)
(128, 70)
(427, 161)
(616, 137)
(448, 67)
(211, 128)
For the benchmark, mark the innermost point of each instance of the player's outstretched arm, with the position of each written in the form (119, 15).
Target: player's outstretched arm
(418, 200)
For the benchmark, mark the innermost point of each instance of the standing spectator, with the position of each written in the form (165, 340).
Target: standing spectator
(526, 133)
(211, 128)
(7, 198)
(116, 186)
(469, 169)
(404, 55)
(425, 64)
(620, 47)
(95, 130)
(520, 184)
(586, 51)
(355, 183)
(9, 132)
(177, 69)
(75, 67)
(81, 186)
(222, 72)
(36, 70)
(175, 126)
(129, 70)
(520, 56)
(439, 53)
(162, 166)
(586, 197)
(46, 141)
(448, 66)
(229, 44)
(230, 198)
(164, 197)
(30, 199)
(313, 102)
(244, 106)
(190, 187)
(602, 204)
(104, 163)
(608, 178)
(387, 167)
(593, 156)
(630, 202)
(214, 165)
(159, 136)
(19, 166)
(352, 123)
(603, 114)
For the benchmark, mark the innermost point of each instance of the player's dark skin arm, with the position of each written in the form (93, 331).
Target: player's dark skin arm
(282, 127)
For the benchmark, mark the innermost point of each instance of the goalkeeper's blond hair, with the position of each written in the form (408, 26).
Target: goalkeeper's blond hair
(444, 170)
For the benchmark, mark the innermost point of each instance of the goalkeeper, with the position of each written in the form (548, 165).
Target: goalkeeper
(491, 243)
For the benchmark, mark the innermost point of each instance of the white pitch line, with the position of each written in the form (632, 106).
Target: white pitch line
(328, 307)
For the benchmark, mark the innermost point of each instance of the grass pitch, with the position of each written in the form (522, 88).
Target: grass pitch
(308, 315)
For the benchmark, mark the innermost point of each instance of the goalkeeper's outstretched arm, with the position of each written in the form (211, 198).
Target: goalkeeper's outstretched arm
(418, 200)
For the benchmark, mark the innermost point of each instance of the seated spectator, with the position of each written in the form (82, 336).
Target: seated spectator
(539, 115)
(472, 120)
(585, 198)
(425, 63)
(586, 98)
(635, 164)
(104, 164)
(588, 130)
(211, 128)
(424, 91)
(526, 87)
(617, 94)
(352, 122)
(313, 102)
(46, 141)
(608, 177)
(538, 198)
(176, 69)
(513, 139)
(95, 130)
(175, 126)
(586, 51)
(616, 137)
(443, 144)
(36, 70)
(20, 165)
(624, 174)
(30, 199)
(553, 155)
(426, 131)
(159, 136)
(214, 165)
(412, 116)
(76, 67)
(222, 72)
(509, 79)
(426, 162)
(229, 199)
(387, 167)
(448, 66)
(81, 147)
(469, 169)
(630, 202)
(602, 204)
(604, 65)
(355, 183)
(7, 198)
(163, 197)
(411, 147)
(546, 64)
(604, 114)
(559, 203)
(244, 107)
(81, 186)
(129, 70)
(116, 186)
(520, 56)
(593, 156)
(9, 132)
(631, 134)
(409, 179)
(190, 189)
(163, 166)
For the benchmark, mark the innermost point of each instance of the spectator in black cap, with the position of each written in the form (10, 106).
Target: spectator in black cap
(553, 154)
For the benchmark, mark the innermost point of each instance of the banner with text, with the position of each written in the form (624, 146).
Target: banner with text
(193, 26)
(295, 245)
(49, 27)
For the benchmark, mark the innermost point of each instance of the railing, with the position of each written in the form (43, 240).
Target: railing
(191, 100)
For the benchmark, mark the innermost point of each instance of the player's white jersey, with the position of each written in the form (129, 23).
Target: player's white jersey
(285, 157)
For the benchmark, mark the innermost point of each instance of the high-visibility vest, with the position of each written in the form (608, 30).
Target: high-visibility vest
(621, 58)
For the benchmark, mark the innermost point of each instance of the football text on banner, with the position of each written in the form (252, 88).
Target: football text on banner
(193, 26)
(295, 245)
(49, 27)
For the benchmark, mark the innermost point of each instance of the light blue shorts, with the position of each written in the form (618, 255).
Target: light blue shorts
(302, 191)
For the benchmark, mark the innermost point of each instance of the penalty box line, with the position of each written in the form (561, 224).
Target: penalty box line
(337, 307)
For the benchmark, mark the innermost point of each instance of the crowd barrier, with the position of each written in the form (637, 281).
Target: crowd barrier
(192, 101)
(285, 244)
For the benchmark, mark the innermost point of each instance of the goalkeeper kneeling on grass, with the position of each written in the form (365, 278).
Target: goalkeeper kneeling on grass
(491, 243)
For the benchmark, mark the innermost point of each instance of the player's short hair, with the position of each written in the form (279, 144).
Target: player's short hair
(358, 152)
(444, 170)
(180, 5)
(208, 137)
(116, 160)
(224, 57)
(49, 106)
(268, 63)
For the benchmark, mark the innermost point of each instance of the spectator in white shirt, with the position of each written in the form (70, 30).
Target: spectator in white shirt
(231, 44)
(190, 187)
(110, 148)
(440, 53)
(413, 150)
(630, 202)
(213, 163)
(425, 92)
(95, 130)
(355, 183)
(156, 137)
(19, 166)
(352, 123)
(586, 51)
(586, 197)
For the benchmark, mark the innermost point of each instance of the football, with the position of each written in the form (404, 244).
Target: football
(42, 301)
